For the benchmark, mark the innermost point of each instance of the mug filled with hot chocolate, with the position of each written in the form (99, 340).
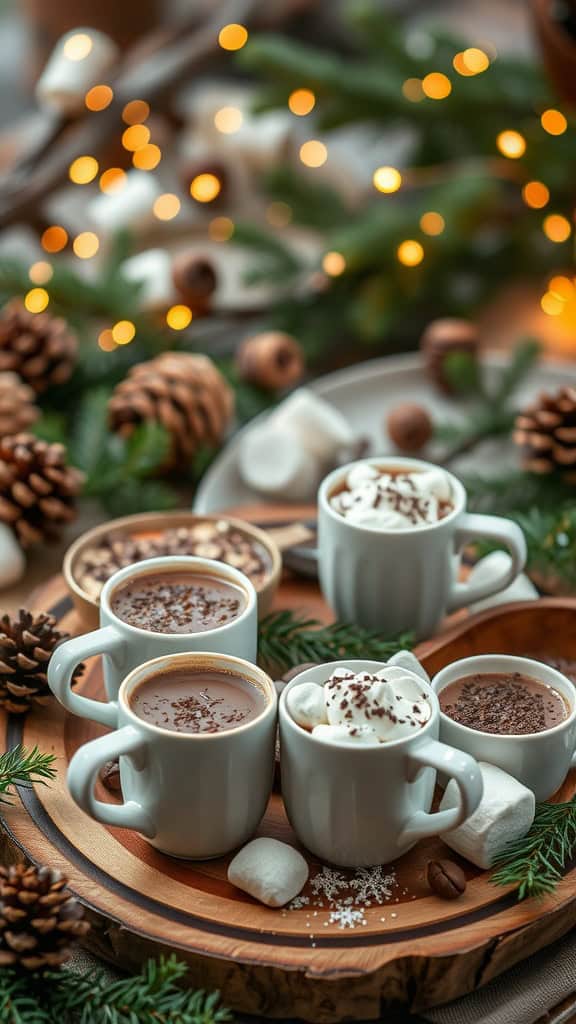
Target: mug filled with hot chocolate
(516, 713)
(162, 606)
(195, 734)
(389, 535)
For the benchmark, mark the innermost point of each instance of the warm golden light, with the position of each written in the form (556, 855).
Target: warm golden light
(436, 86)
(552, 304)
(387, 179)
(472, 61)
(562, 287)
(147, 158)
(112, 180)
(334, 264)
(204, 188)
(78, 46)
(410, 253)
(432, 223)
(554, 122)
(83, 169)
(123, 332)
(36, 300)
(313, 153)
(556, 227)
(99, 97)
(511, 144)
(228, 120)
(135, 112)
(301, 101)
(535, 194)
(178, 317)
(279, 214)
(135, 137)
(232, 37)
(86, 245)
(221, 229)
(40, 272)
(106, 341)
(412, 90)
(54, 238)
(166, 206)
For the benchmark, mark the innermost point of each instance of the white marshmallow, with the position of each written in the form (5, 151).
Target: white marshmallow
(342, 734)
(305, 703)
(152, 270)
(385, 707)
(269, 870)
(504, 814)
(405, 659)
(12, 558)
(381, 501)
(318, 426)
(493, 565)
(81, 58)
(273, 462)
(128, 207)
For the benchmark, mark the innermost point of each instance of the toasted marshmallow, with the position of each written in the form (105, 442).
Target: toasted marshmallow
(382, 501)
(305, 703)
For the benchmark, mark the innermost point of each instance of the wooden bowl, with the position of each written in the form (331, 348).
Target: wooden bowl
(154, 523)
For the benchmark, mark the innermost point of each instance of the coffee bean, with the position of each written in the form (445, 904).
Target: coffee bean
(446, 879)
(110, 776)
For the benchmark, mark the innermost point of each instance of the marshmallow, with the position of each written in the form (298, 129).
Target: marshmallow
(504, 814)
(12, 559)
(342, 734)
(379, 500)
(81, 58)
(273, 462)
(127, 207)
(152, 270)
(269, 870)
(405, 659)
(493, 566)
(305, 703)
(318, 426)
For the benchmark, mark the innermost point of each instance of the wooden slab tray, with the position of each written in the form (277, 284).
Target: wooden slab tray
(420, 951)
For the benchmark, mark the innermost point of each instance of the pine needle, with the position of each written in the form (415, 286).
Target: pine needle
(21, 767)
(535, 864)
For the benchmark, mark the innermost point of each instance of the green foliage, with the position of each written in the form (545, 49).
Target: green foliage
(286, 640)
(22, 767)
(534, 864)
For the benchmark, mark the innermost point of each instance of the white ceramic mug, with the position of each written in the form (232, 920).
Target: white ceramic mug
(357, 806)
(541, 760)
(192, 795)
(397, 580)
(124, 646)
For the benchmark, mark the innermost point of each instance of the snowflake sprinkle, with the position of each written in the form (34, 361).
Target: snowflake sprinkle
(347, 917)
(328, 883)
(372, 885)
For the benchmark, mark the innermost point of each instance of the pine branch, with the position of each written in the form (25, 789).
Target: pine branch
(19, 1001)
(21, 767)
(535, 864)
(286, 640)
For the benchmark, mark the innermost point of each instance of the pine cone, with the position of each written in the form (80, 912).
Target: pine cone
(40, 348)
(17, 408)
(546, 434)
(186, 393)
(37, 488)
(27, 643)
(39, 920)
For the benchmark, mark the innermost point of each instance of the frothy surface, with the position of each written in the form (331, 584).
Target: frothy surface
(177, 602)
(384, 499)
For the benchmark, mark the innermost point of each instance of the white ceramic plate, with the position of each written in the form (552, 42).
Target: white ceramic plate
(365, 394)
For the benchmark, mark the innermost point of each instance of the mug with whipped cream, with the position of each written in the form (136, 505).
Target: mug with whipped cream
(360, 752)
(390, 533)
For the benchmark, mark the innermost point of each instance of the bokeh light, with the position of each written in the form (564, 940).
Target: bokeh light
(556, 227)
(98, 97)
(313, 153)
(334, 264)
(205, 187)
(412, 90)
(36, 300)
(178, 317)
(554, 122)
(78, 46)
(83, 170)
(54, 238)
(112, 180)
(86, 245)
(561, 286)
(232, 37)
(301, 101)
(410, 253)
(106, 341)
(387, 179)
(535, 194)
(135, 137)
(551, 304)
(41, 272)
(432, 223)
(147, 158)
(166, 206)
(278, 214)
(220, 229)
(511, 144)
(472, 61)
(228, 120)
(135, 112)
(436, 86)
(123, 332)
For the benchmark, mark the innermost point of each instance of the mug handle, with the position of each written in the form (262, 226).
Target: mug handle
(473, 526)
(107, 641)
(468, 777)
(83, 770)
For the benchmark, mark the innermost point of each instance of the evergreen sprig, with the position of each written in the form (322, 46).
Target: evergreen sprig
(535, 864)
(22, 767)
(286, 640)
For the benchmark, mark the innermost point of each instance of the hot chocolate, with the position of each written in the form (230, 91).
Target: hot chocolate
(511, 703)
(177, 602)
(385, 498)
(199, 700)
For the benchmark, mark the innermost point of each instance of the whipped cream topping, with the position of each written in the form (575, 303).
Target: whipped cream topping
(393, 501)
(361, 707)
